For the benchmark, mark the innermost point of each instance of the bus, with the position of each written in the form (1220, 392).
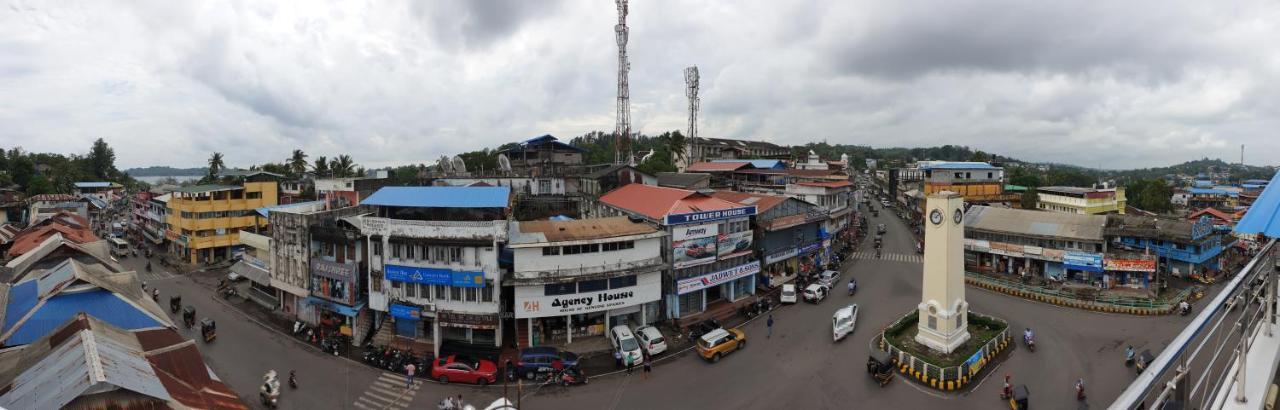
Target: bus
(119, 247)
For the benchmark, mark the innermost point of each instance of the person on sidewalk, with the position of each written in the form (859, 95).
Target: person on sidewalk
(408, 372)
(647, 370)
(769, 324)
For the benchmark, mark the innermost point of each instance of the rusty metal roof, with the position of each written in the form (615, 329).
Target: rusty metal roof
(532, 232)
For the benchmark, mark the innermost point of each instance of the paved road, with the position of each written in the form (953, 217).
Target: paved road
(799, 367)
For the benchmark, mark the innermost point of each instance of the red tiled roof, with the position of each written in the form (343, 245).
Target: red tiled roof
(1213, 212)
(657, 202)
(828, 184)
(761, 201)
(811, 172)
(716, 166)
(54, 198)
(31, 238)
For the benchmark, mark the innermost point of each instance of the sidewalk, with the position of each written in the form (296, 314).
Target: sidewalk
(1112, 301)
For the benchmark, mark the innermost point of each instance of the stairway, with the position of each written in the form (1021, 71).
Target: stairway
(386, 333)
(522, 333)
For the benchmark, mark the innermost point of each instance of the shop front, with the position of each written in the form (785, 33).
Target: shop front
(563, 312)
(1133, 272)
(694, 294)
(1083, 266)
(334, 294)
(468, 328)
(780, 267)
(411, 321)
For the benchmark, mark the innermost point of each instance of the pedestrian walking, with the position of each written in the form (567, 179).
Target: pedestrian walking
(408, 371)
(631, 364)
(769, 324)
(647, 369)
(617, 358)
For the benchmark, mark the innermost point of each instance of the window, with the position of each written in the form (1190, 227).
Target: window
(486, 294)
(622, 282)
(377, 248)
(395, 285)
(594, 247)
(550, 250)
(471, 294)
(455, 254)
(411, 290)
(455, 293)
(556, 289)
(610, 246)
(438, 253)
(592, 285)
(409, 251)
(395, 250)
(253, 195)
(377, 281)
(440, 294)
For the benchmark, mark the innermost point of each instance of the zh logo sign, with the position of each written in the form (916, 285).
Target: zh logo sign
(531, 306)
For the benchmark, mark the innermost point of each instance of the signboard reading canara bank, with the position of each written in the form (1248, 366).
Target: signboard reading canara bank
(708, 216)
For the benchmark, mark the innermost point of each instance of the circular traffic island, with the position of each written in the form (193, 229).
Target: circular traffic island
(988, 336)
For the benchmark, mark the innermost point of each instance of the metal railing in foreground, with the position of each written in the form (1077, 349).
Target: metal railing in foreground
(1193, 367)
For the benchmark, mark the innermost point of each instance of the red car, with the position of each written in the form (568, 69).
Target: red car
(464, 370)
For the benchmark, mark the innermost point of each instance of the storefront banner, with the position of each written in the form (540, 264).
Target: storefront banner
(532, 301)
(434, 276)
(345, 272)
(708, 216)
(733, 244)
(781, 255)
(681, 233)
(467, 320)
(1032, 250)
(693, 252)
(253, 260)
(1085, 261)
(977, 245)
(1131, 265)
(406, 312)
(811, 247)
(697, 283)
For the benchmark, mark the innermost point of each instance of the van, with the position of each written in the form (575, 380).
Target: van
(119, 247)
(624, 342)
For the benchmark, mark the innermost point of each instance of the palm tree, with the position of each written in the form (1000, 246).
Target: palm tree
(215, 164)
(674, 143)
(321, 167)
(298, 161)
(342, 166)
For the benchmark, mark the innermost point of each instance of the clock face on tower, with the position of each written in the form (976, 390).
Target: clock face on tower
(936, 217)
(959, 216)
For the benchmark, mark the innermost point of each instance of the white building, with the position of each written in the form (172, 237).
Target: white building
(434, 262)
(578, 278)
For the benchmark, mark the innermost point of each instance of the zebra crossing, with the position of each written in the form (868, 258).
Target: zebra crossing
(156, 274)
(891, 257)
(388, 392)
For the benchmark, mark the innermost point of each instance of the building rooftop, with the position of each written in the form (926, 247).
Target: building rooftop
(97, 184)
(53, 198)
(308, 206)
(1264, 215)
(827, 184)
(658, 202)
(683, 180)
(1149, 226)
(539, 141)
(36, 305)
(197, 189)
(441, 197)
(538, 232)
(955, 165)
(762, 202)
(739, 144)
(1036, 223)
(1069, 190)
(717, 166)
(758, 163)
(1211, 212)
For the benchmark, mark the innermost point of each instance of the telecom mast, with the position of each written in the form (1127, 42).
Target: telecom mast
(622, 131)
(691, 91)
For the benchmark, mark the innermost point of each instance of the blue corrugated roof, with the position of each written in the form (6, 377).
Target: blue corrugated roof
(22, 297)
(93, 185)
(98, 202)
(1207, 191)
(1264, 216)
(56, 311)
(266, 210)
(1200, 183)
(758, 163)
(1252, 186)
(542, 140)
(1256, 181)
(958, 165)
(441, 196)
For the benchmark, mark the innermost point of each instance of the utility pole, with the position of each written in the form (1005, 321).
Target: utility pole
(622, 130)
(691, 91)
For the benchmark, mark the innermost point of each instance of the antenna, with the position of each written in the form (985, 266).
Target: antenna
(458, 166)
(504, 163)
(691, 91)
(622, 130)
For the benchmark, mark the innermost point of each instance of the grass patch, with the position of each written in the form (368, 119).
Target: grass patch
(981, 331)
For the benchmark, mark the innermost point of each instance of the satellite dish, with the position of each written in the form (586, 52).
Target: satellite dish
(504, 163)
(646, 156)
(458, 165)
(443, 164)
(844, 158)
(811, 153)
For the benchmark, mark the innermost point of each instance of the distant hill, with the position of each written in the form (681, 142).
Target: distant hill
(155, 171)
(1237, 171)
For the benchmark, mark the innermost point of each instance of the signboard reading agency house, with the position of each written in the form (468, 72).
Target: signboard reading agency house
(708, 216)
(532, 301)
(697, 283)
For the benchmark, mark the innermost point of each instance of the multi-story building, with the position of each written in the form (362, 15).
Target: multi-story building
(1055, 246)
(205, 220)
(45, 205)
(977, 182)
(291, 250)
(706, 149)
(543, 155)
(788, 234)
(1082, 201)
(105, 191)
(344, 192)
(337, 280)
(433, 265)
(710, 248)
(147, 217)
(835, 197)
(1217, 197)
(1184, 248)
(576, 279)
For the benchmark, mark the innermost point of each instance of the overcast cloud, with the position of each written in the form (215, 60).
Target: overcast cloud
(1115, 84)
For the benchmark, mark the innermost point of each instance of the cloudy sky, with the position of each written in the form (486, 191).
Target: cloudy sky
(1115, 84)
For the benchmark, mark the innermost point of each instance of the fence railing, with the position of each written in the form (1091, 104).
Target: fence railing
(1161, 303)
(945, 377)
(1193, 368)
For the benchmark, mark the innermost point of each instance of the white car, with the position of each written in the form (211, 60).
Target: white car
(651, 340)
(829, 278)
(788, 294)
(842, 322)
(625, 342)
(815, 293)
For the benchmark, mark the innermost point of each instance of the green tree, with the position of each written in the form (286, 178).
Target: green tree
(39, 185)
(342, 166)
(1156, 197)
(1030, 198)
(102, 160)
(298, 162)
(216, 165)
(321, 167)
(674, 143)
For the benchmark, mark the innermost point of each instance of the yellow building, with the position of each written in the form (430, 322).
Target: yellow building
(1081, 201)
(977, 182)
(204, 221)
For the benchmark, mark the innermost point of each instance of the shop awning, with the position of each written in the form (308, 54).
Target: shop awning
(152, 237)
(350, 311)
(255, 274)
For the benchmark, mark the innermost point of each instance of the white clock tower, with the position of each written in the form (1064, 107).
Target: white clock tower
(943, 322)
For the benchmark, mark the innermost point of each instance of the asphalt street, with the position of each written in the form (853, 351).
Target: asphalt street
(798, 367)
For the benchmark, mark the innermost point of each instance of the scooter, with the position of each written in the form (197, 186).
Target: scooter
(1080, 391)
(293, 380)
(1185, 309)
(1030, 341)
(571, 376)
(1128, 358)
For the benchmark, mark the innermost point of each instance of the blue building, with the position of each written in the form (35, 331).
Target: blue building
(1183, 248)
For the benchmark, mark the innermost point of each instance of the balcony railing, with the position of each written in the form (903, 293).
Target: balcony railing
(638, 266)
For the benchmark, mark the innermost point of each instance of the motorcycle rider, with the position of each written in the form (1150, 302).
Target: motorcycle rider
(1184, 307)
(853, 284)
(1028, 337)
(293, 379)
(155, 294)
(1007, 392)
(1080, 389)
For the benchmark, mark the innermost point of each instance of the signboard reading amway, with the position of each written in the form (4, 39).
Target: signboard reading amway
(708, 216)
(532, 301)
(697, 283)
